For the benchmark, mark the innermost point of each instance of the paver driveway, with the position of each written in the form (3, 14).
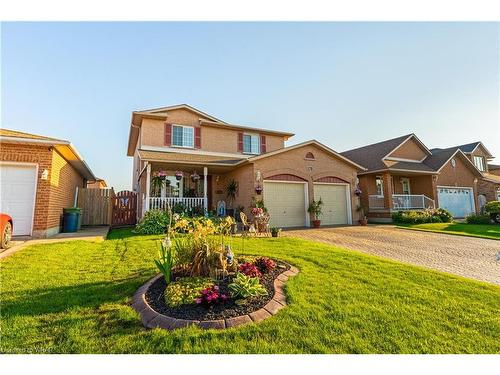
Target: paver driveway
(464, 256)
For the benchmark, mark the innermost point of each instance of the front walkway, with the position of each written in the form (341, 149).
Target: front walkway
(85, 234)
(464, 256)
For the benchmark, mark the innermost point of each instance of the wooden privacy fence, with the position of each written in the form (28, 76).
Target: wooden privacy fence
(96, 205)
(124, 208)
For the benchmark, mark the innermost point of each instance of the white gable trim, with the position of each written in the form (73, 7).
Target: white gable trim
(406, 140)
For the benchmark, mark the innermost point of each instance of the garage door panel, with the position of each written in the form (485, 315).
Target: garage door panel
(17, 195)
(285, 203)
(335, 207)
(459, 201)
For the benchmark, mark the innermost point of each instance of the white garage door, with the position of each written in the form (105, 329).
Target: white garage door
(285, 202)
(335, 203)
(17, 195)
(459, 201)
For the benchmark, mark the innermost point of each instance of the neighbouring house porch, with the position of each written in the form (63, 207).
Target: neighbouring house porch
(389, 191)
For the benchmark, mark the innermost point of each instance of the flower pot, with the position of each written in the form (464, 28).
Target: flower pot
(363, 221)
(258, 191)
(275, 234)
(178, 177)
(316, 223)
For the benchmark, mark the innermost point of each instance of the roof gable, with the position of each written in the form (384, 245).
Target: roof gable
(303, 144)
(372, 156)
(440, 158)
(164, 110)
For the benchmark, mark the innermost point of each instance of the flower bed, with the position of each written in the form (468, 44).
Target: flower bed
(155, 297)
(202, 281)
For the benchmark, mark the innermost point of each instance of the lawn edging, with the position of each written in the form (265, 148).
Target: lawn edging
(152, 319)
(448, 232)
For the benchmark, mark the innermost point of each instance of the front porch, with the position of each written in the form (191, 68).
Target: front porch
(192, 188)
(389, 192)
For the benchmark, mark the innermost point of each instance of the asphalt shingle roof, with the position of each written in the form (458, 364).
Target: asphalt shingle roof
(18, 134)
(371, 156)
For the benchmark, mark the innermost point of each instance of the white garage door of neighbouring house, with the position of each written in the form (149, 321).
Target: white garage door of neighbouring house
(335, 203)
(459, 201)
(17, 195)
(285, 202)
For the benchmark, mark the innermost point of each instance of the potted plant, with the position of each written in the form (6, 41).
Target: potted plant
(178, 175)
(195, 177)
(358, 192)
(258, 189)
(231, 191)
(315, 208)
(363, 220)
(275, 231)
(158, 179)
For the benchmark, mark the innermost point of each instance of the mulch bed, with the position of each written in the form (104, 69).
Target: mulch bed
(155, 298)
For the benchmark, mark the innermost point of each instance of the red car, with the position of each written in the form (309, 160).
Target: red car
(6, 228)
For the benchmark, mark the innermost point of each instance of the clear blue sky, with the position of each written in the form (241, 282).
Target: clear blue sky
(345, 84)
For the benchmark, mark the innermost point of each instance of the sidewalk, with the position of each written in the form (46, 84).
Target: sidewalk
(94, 234)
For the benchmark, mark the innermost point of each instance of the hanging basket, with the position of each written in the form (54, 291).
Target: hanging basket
(178, 175)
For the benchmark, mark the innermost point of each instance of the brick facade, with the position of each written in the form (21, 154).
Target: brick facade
(52, 194)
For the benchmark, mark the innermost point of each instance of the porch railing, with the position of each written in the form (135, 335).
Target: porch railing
(401, 202)
(164, 203)
(411, 202)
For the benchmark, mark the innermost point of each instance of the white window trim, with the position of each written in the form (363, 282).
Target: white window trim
(482, 168)
(258, 140)
(183, 127)
(407, 180)
(382, 185)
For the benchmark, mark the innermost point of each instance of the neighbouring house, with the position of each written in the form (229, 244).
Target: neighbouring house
(207, 153)
(488, 187)
(38, 176)
(402, 173)
(99, 183)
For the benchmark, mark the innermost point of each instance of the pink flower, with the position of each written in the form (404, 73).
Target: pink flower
(198, 301)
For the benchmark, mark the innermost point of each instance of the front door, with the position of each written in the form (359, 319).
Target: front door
(405, 183)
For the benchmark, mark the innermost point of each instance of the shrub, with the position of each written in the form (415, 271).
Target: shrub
(186, 290)
(249, 269)
(244, 286)
(422, 216)
(166, 259)
(478, 219)
(211, 296)
(264, 264)
(492, 207)
(444, 215)
(153, 222)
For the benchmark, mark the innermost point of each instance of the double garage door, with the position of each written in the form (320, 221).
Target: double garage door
(459, 201)
(17, 195)
(287, 203)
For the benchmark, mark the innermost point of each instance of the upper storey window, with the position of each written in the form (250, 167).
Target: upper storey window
(479, 163)
(251, 143)
(182, 136)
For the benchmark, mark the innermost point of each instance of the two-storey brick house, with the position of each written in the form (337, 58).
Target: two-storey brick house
(192, 143)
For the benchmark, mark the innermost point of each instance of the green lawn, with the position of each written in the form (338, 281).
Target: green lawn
(74, 297)
(462, 229)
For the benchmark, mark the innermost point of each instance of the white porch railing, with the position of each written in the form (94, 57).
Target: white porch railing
(411, 202)
(165, 203)
(401, 202)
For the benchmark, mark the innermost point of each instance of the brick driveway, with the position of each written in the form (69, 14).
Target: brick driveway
(465, 256)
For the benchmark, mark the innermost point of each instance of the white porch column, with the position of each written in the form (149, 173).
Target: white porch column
(205, 187)
(148, 185)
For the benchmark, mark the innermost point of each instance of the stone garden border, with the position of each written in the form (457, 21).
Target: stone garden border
(151, 319)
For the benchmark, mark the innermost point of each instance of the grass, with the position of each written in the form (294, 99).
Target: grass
(472, 230)
(74, 297)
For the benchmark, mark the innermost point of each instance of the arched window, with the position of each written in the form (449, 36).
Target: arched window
(310, 156)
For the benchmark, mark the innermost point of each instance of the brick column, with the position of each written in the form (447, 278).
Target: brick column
(386, 178)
